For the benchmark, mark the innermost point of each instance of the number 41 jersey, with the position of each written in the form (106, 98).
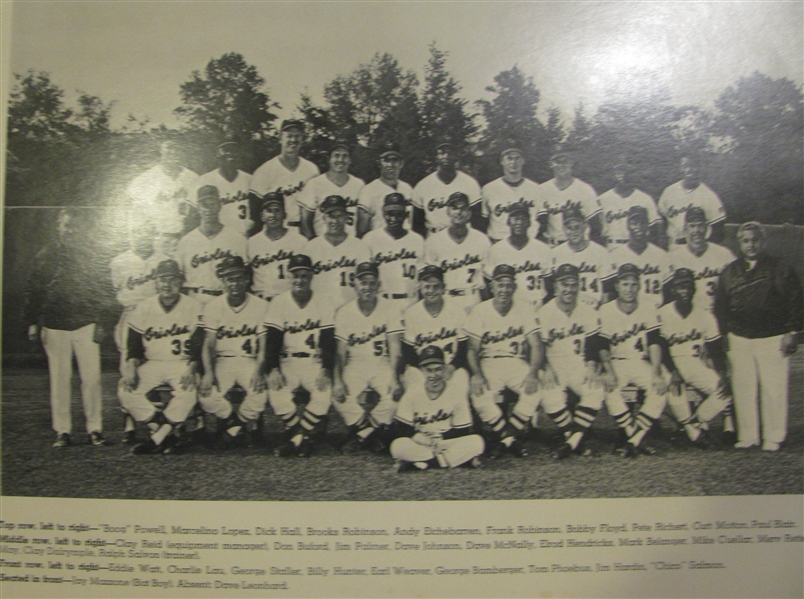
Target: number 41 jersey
(166, 335)
(236, 329)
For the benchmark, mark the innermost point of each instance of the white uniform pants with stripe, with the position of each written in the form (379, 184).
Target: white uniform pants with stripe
(451, 452)
(759, 380)
(230, 372)
(501, 373)
(698, 376)
(60, 346)
(152, 374)
(568, 378)
(300, 372)
(358, 377)
(639, 373)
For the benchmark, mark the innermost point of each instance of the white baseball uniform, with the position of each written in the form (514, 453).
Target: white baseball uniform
(531, 262)
(234, 198)
(555, 201)
(199, 255)
(398, 261)
(444, 331)
(706, 268)
(274, 177)
(462, 263)
(592, 263)
(319, 188)
(615, 214)
(499, 195)
(676, 199)
(431, 194)
(164, 198)
(334, 267)
(269, 259)
(653, 265)
(372, 197)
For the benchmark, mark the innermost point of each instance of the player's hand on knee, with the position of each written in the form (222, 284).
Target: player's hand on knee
(659, 384)
(130, 382)
(609, 381)
(478, 385)
(548, 378)
(258, 383)
(322, 381)
(339, 391)
(592, 377)
(189, 380)
(276, 380)
(675, 383)
(396, 390)
(530, 384)
(207, 382)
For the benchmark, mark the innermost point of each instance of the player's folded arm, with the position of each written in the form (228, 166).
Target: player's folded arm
(274, 338)
(329, 348)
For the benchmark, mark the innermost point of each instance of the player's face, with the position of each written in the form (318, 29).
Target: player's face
(519, 224)
(391, 166)
(512, 164)
(567, 290)
(562, 166)
(335, 221)
(339, 160)
(696, 233)
(395, 218)
(291, 140)
(366, 287)
(574, 230)
(228, 155)
(300, 280)
(168, 288)
(627, 288)
(273, 215)
(208, 209)
(432, 290)
(684, 291)
(622, 174)
(504, 288)
(750, 244)
(434, 376)
(638, 228)
(445, 157)
(690, 169)
(235, 284)
(458, 214)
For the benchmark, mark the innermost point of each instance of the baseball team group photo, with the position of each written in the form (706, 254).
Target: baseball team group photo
(396, 290)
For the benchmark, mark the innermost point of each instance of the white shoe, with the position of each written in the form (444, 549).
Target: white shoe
(770, 446)
(744, 444)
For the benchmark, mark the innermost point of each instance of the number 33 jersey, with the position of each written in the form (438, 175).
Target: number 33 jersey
(236, 329)
(166, 335)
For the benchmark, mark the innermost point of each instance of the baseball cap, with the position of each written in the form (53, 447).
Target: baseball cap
(564, 271)
(628, 270)
(229, 144)
(168, 268)
(639, 212)
(511, 150)
(572, 213)
(300, 262)
(273, 197)
(229, 266)
(366, 268)
(457, 197)
(292, 124)
(395, 201)
(445, 143)
(390, 149)
(503, 270)
(333, 202)
(695, 214)
(518, 208)
(431, 270)
(431, 355)
(207, 193)
(683, 275)
(561, 153)
(339, 143)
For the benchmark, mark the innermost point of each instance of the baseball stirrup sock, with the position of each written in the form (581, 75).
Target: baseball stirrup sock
(644, 424)
(625, 422)
(562, 418)
(519, 423)
(160, 434)
(584, 417)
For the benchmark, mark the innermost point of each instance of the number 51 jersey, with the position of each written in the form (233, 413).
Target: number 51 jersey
(166, 335)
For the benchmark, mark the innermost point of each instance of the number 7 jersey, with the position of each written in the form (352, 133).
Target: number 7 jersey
(166, 335)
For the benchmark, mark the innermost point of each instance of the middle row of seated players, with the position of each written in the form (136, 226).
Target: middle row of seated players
(300, 339)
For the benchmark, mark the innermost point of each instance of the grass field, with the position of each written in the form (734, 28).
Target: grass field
(32, 468)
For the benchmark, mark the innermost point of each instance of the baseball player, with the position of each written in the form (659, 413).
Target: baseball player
(590, 258)
(616, 203)
(200, 251)
(397, 251)
(562, 192)
(163, 193)
(567, 332)
(690, 191)
(368, 331)
(652, 261)
(691, 334)
(706, 260)
(371, 201)
(500, 332)
(460, 252)
(631, 354)
(512, 189)
(233, 335)
(431, 194)
(163, 332)
(336, 181)
(433, 424)
(285, 174)
(269, 252)
(299, 352)
(233, 187)
(335, 254)
(530, 258)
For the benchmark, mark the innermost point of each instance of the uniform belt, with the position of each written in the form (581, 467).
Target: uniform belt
(395, 295)
(202, 290)
(460, 292)
(297, 354)
(267, 298)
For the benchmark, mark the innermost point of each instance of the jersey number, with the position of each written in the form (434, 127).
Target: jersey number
(471, 274)
(408, 271)
(639, 345)
(242, 212)
(534, 282)
(177, 347)
(347, 281)
(310, 342)
(281, 271)
(379, 347)
(577, 344)
(592, 285)
(247, 346)
(651, 286)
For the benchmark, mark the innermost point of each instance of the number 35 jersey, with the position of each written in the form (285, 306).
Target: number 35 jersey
(301, 327)
(501, 336)
(166, 335)
(364, 335)
(628, 333)
(236, 329)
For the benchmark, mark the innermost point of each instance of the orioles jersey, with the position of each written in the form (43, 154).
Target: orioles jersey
(654, 267)
(199, 255)
(531, 262)
(444, 331)
(234, 198)
(628, 333)
(317, 190)
(448, 411)
(269, 258)
(614, 215)
(564, 335)
(301, 327)
(676, 199)
(498, 197)
(164, 198)
(166, 335)
(237, 330)
(365, 336)
(398, 260)
(334, 266)
(372, 198)
(555, 201)
(686, 336)
(501, 336)
(592, 263)
(462, 263)
(274, 177)
(706, 268)
(133, 277)
(431, 194)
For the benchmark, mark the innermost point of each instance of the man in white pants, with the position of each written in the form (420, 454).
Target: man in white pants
(758, 304)
(433, 422)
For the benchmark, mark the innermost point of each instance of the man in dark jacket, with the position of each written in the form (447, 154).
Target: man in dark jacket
(758, 304)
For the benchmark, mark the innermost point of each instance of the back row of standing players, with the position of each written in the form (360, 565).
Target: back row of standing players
(531, 232)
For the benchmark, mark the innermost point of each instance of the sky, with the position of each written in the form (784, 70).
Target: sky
(137, 53)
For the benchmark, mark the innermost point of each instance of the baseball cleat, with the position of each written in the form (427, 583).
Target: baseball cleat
(475, 463)
(770, 446)
(518, 449)
(305, 449)
(285, 450)
(129, 438)
(647, 449)
(169, 445)
(564, 451)
(354, 444)
(62, 440)
(626, 451)
(96, 439)
(728, 438)
(403, 466)
(744, 445)
(145, 448)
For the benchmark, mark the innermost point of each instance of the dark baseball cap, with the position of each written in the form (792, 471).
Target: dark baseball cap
(207, 193)
(231, 265)
(445, 143)
(340, 143)
(511, 150)
(695, 214)
(229, 144)
(395, 201)
(457, 197)
(333, 202)
(366, 268)
(564, 271)
(273, 197)
(292, 124)
(572, 213)
(168, 268)
(628, 270)
(639, 212)
(431, 270)
(683, 275)
(519, 208)
(431, 355)
(562, 154)
(502, 271)
(390, 149)
(300, 262)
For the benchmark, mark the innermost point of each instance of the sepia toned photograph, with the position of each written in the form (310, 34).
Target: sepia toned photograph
(335, 251)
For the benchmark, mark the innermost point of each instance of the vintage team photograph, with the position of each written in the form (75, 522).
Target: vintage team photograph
(403, 251)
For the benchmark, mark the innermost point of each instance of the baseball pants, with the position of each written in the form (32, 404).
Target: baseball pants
(555, 399)
(698, 376)
(639, 373)
(759, 367)
(300, 372)
(369, 374)
(60, 346)
(450, 453)
(231, 372)
(501, 373)
(152, 374)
